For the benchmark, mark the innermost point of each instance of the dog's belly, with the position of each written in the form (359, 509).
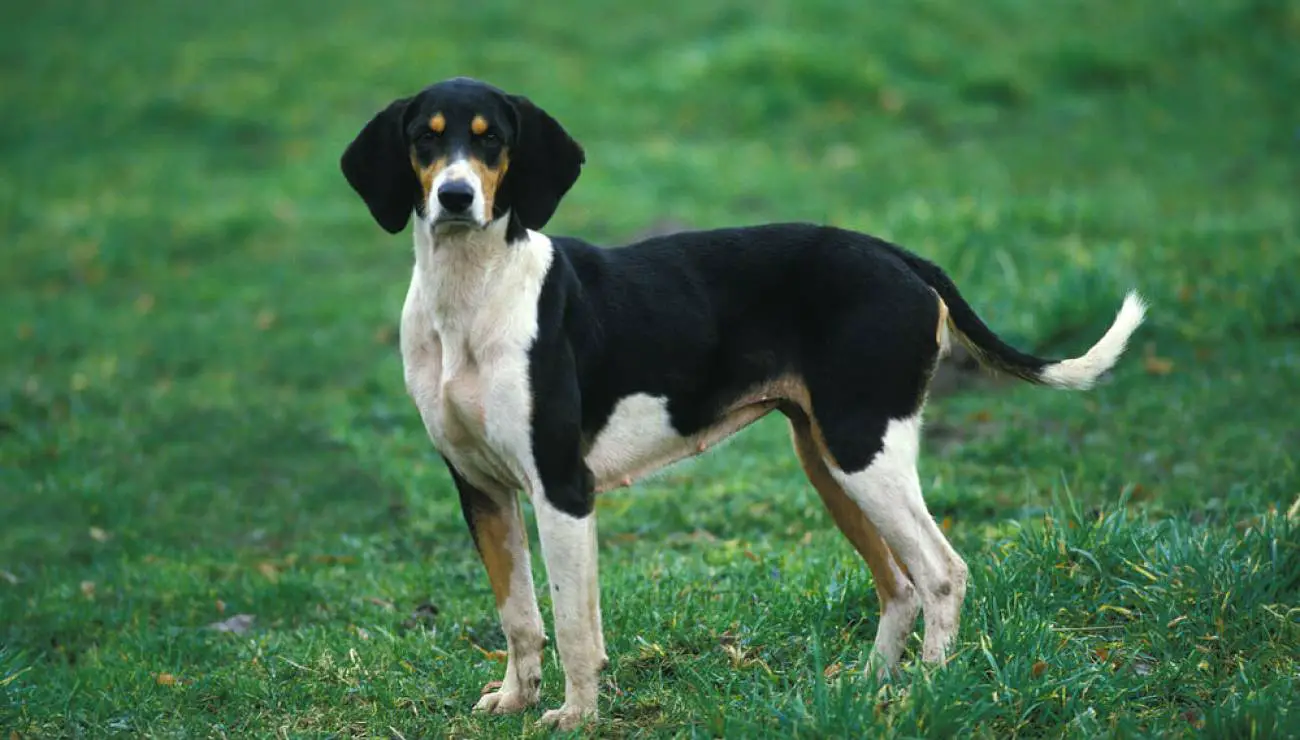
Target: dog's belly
(639, 437)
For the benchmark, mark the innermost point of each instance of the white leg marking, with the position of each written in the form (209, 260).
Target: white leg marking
(593, 577)
(568, 545)
(522, 623)
(889, 492)
(896, 621)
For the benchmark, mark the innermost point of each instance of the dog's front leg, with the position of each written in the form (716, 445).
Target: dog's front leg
(568, 536)
(497, 524)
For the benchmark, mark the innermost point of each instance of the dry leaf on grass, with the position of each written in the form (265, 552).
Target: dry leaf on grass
(1154, 364)
(421, 617)
(239, 624)
(269, 571)
(498, 655)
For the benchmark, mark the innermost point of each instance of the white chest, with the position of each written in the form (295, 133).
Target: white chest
(467, 326)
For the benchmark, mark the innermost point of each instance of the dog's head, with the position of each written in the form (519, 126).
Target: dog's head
(462, 154)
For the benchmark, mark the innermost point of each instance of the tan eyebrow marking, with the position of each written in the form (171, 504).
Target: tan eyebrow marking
(479, 125)
(437, 124)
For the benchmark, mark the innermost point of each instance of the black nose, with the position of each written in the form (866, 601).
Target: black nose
(455, 195)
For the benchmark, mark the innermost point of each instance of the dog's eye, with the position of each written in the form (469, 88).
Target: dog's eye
(429, 135)
(490, 139)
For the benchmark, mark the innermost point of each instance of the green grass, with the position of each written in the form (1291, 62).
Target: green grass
(201, 410)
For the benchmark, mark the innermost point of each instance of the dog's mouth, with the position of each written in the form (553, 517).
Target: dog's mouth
(454, 223)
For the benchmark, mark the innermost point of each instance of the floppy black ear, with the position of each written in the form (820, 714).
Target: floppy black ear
(544, 164)
(378, 166)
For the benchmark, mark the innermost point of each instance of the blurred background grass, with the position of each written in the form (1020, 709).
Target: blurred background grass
(197, 350)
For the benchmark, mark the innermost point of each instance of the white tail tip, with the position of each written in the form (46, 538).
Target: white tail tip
(1081, 373)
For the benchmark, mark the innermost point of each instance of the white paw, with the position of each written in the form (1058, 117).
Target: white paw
(568, 718)
(504, 702)
(880, 666)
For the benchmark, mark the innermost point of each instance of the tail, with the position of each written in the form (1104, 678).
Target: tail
(1079, 373)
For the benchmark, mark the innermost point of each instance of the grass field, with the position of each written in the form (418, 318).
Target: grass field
(202, 413)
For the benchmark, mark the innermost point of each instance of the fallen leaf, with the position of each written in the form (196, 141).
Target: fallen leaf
(832, 671)
(946, 524)
(1038, 669)
(165, 679)
(491, 686)
(498, 655)
(269, 571)
(1154, 364)
(381, 603)
(237, 625)
(750, 554)
(98, 534)
(982, 416)
(88, 589)
(421, 617)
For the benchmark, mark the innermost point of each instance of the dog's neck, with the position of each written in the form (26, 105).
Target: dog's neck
(463, 272)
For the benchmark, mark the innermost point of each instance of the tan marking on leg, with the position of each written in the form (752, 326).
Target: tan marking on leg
(502, 542)
(490, 179)
(885, 569)
(889, 492)
(491, 529)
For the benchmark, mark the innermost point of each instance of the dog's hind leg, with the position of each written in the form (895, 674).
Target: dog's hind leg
(888, 490)
(898, 599)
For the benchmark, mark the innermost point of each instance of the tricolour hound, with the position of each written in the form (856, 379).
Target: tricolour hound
(553, 367)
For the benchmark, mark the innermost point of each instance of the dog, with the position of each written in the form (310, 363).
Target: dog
(547, 365)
